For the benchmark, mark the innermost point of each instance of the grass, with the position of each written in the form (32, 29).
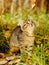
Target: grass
(40, 54)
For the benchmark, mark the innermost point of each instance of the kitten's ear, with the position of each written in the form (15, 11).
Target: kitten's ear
(20, 22)
(35, 22)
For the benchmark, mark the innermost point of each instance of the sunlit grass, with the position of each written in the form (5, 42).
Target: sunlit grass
(40, 54)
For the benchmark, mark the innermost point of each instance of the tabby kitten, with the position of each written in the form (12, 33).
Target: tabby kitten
(23, 36)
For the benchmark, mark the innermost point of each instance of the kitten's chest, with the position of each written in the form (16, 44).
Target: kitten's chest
(26, 40)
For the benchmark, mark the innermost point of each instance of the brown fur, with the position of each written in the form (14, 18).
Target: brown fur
(23, 36)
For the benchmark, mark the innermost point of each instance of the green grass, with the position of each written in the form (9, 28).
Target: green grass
(40, 54)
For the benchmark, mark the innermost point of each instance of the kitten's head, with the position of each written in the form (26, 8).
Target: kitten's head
(28, 26)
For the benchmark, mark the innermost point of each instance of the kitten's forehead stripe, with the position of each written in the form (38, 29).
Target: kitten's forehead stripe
(29, 22)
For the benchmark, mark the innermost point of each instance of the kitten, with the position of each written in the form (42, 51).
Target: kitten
(23, 36)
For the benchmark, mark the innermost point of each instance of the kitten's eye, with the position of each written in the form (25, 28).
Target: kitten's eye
(32, 23)
(25, 26)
